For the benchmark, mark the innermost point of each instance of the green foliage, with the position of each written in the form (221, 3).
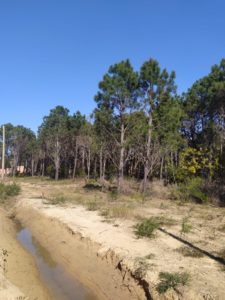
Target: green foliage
(185, 226)
(141, 129)
(204, 106)
(171, 281)
(113, 194)
(50, 171)
(191, 189)
(8, 190)
(146, 228)
(93, 185)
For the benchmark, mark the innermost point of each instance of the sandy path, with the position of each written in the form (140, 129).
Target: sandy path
(19, 278)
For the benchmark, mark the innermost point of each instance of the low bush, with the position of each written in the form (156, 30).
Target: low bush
(185, 226)
(171, 280)
(8, 190)
(93, 185)
(191, 189)
(146, 228)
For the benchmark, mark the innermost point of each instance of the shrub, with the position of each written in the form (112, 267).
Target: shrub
(146, 228)
(8, 190)
(185, 226)
(113, 194)
(171, 280)
(93, 185)
(191, 189)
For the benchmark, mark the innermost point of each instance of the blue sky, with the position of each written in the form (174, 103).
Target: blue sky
(54, 52)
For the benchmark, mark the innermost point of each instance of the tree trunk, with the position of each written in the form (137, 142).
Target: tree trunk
(43, 168)
(121, 162)
(57, 160)
(75, 162)
(148, 150)
(100, 164)
(83, 159)
(32, 166)
(104, 166)
(89, 163)
(95, 168)
(161, 168)
(172, 164)
(15, 163)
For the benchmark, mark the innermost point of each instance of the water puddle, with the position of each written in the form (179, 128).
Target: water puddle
(60, 284)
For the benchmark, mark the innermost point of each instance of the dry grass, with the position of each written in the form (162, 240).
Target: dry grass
(221, 254)
(189, 252)
(122, 211)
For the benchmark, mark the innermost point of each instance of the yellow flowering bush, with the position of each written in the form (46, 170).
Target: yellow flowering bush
(197, 161)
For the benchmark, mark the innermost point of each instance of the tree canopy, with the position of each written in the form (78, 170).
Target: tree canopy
(140, 128)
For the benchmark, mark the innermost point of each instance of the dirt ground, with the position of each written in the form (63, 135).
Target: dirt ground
(19, 278)
(67, 207)
(83, 212)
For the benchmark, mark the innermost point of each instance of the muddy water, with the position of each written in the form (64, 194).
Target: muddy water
(61, 285)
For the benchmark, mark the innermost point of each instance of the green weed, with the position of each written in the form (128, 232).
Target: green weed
(171, 280)
(146, 228)
(185, 226)
(8, 190)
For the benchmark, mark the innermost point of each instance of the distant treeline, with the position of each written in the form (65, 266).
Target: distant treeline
(140, 128)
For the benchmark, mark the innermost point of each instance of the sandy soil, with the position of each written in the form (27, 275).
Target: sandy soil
(19, 278)
(109, 253)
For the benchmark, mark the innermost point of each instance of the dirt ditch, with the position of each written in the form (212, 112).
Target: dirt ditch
(98, 268)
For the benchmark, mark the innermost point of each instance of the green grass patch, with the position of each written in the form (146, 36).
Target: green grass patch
(93, 185)
(171, 281)
(146, 228)
(185, 226)
(8, 190)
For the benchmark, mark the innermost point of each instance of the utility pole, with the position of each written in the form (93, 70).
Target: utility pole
(3, 151)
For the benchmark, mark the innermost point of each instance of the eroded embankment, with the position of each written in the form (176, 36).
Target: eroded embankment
(98, 267)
